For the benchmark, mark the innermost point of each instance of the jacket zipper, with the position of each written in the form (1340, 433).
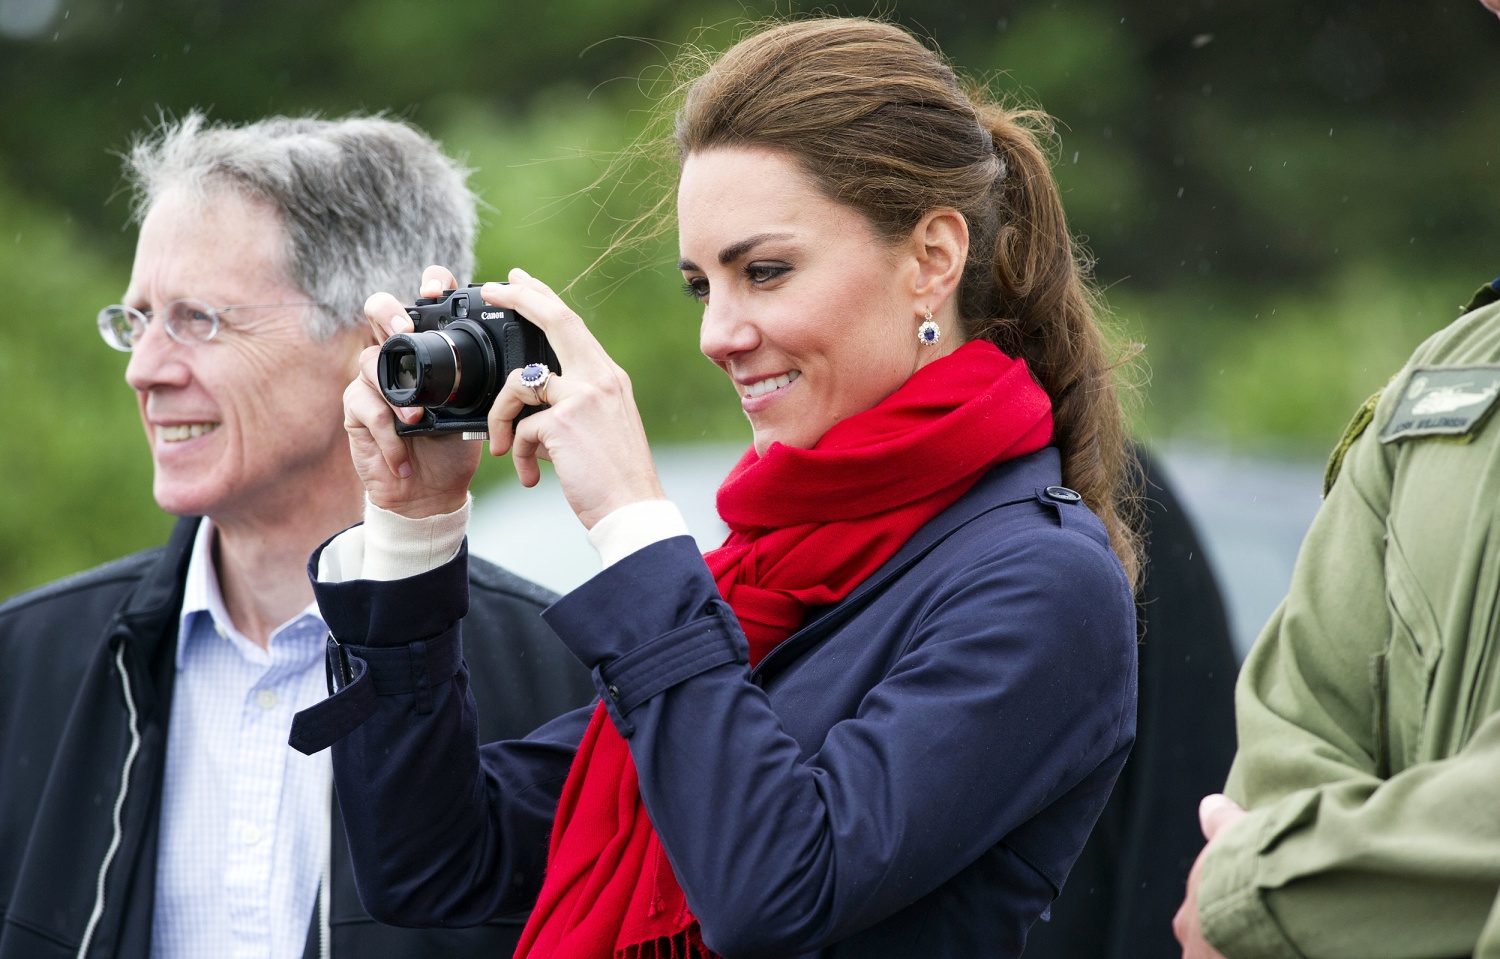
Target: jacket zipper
(325, 897)
(114, 843)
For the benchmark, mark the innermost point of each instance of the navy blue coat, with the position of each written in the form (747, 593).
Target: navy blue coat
(912, 773)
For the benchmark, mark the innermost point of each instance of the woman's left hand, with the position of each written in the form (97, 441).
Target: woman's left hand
(592, 434)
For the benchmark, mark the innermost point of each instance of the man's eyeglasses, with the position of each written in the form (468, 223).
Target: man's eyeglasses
(187, 321)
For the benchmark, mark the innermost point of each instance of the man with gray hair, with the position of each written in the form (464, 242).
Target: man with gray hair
(149, 802)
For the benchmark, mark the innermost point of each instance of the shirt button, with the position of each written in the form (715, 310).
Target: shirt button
(250, 835)
(265, 699)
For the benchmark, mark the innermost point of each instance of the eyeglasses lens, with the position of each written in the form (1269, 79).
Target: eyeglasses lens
(120, 326)
(191, 321)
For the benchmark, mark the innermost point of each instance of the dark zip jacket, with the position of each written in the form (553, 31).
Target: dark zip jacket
(86, 673)
(912, 773)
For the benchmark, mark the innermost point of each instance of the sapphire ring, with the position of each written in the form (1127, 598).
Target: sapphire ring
(534, 376)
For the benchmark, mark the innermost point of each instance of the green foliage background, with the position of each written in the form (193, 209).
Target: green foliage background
(1283, 197)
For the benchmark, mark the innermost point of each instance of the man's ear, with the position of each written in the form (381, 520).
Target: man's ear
(358, 339)
(940, 243)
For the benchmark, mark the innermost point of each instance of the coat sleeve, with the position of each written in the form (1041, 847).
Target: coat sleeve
(442, 831)
(1016, 683)
(1338, 857)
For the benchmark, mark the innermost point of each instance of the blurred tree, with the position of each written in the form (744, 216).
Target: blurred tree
(1261, 141)
(78, 485)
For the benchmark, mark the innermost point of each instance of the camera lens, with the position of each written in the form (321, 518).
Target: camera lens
(405, 377)
(441, 370)
(419, 369)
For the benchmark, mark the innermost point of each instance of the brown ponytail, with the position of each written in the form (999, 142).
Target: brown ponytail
(884, 125)
(1027, 291)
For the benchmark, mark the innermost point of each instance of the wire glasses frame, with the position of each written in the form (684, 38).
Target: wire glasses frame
(186, 320)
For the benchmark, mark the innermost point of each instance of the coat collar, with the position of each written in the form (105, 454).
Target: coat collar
(159, 596)
(146, 625)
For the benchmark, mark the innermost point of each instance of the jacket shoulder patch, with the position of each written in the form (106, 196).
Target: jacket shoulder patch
(1484, 296)
(1447, 401)
(1357, 425)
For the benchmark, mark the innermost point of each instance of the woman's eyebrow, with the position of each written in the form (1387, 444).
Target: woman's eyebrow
(736, 250)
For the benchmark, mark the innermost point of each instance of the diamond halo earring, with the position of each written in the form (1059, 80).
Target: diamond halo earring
(928, 333)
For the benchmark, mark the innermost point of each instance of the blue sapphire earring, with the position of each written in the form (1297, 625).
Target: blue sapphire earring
(928, 333)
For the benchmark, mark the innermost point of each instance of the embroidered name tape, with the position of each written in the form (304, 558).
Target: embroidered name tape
(1443, 401)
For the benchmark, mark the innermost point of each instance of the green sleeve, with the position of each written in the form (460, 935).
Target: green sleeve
(1364, 868)
(1337, 858)
(1489, 936)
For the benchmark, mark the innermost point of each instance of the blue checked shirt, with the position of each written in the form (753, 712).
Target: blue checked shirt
(244, 817)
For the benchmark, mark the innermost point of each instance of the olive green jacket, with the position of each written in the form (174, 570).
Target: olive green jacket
(1369, 746)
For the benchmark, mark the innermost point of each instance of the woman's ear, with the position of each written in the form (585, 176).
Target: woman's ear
(940, 243)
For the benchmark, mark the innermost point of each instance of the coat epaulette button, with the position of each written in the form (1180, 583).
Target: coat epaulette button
(1062, 494)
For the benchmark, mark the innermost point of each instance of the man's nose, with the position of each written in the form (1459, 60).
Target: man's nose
(156, 359)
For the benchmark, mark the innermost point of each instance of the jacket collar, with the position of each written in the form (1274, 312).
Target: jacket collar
(147, 622)
(1010, 482)
(159, 596)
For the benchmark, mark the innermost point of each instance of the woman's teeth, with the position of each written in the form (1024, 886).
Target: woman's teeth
(767, 385)
(186, 431)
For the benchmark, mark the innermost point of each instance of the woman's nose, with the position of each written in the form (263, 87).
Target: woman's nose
(727, 330)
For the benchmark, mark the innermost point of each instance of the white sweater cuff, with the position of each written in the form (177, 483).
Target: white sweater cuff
(634, 527)
(392, 546)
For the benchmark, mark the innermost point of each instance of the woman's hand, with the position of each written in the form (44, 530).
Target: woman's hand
(592, 434)
(415, 476)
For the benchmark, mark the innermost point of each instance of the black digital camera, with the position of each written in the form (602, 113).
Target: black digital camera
(456, 360)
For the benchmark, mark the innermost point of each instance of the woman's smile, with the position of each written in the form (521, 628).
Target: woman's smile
(761, 389)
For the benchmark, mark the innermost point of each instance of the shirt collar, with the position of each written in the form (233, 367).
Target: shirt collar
(201, 596)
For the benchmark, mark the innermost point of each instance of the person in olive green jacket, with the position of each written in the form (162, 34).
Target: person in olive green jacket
(1362, 816)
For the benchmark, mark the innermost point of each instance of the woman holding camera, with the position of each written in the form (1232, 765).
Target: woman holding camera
(883, 717)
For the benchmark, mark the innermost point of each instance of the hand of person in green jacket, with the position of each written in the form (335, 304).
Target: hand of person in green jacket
(1215, 813)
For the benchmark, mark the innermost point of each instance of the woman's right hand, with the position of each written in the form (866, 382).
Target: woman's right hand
(415, 476)
(591, 431)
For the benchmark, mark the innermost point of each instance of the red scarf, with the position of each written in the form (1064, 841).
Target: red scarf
(806, 528)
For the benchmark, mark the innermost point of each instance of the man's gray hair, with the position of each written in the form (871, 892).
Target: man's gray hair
(367, 202)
